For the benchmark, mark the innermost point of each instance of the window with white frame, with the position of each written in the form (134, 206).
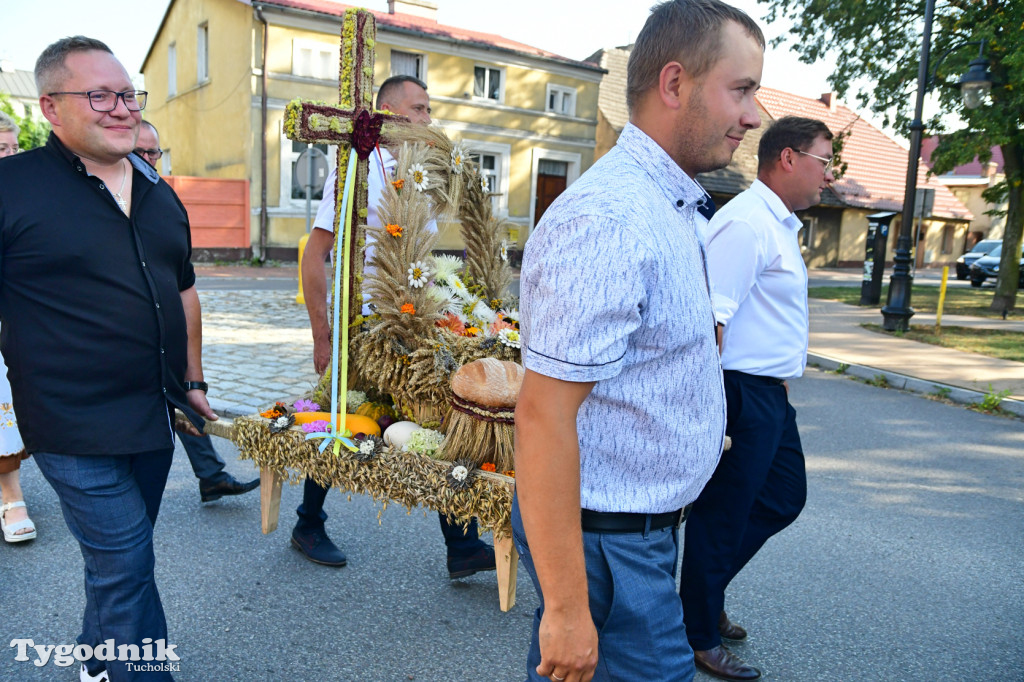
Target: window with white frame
(165, 162)
(293, 195)
(493, 160)
(203, 54)
(172, 69)
(315, 60)
(489, 83)
(806, 233)
(561, 100)
(408, 64)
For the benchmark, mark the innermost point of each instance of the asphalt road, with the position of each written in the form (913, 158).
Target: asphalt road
(905, 565)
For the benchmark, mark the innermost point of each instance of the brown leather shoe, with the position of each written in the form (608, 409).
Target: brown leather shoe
(730, 630)
(724, 664)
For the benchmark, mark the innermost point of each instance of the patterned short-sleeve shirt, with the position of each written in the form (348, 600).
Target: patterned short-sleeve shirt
(614, 290)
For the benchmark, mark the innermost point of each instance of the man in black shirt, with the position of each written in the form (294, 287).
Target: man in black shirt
(101, 333)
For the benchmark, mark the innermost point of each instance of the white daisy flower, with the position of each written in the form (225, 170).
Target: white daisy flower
(512, 314)
(459, 287)
(504, 251)
(460, 473)
(484, 185)
(458, 158)
(418, 274)
(510, 337)
(419, 176)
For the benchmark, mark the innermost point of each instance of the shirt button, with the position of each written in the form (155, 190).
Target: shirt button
(102, 186)
(143, 263)
(161, 351)
(680, 203)
(165, 389)
(157, 305)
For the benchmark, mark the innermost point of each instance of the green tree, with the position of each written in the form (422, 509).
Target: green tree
(33, 133)
(876, 46)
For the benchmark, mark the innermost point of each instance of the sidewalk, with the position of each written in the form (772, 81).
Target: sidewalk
(257, 348)
(837, 337)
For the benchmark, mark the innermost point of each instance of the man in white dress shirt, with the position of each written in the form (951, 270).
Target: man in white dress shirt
(467, 553)
(760, 298)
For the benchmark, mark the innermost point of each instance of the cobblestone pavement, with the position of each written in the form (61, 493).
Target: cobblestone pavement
(257, 349)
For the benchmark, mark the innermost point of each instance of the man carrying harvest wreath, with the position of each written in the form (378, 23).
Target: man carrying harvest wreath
(621, 417)
(467, 553)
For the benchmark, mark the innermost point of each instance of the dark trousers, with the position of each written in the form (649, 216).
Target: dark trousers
(110, 504)
(460, 543)
(206, 463)
(758, 488)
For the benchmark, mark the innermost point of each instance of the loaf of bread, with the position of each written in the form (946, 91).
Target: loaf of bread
(489, 382)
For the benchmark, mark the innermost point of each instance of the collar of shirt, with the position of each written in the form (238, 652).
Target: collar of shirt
(677, 186)
(53, 143)
(774, 203)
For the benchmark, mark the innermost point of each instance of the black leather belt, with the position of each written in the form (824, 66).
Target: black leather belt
(771, 381)
(614, 522)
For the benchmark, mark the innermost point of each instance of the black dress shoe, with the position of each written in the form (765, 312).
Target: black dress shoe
(318, 548)
(730, 630)
(210, 491)
(724, 664)
(481, 560)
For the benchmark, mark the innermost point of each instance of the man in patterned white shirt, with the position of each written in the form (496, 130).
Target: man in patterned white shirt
(621, 416)
(760, 298)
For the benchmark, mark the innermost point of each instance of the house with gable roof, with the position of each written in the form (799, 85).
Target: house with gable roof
(967, 182)
(19, 86)
(835, 230)
(528, 115)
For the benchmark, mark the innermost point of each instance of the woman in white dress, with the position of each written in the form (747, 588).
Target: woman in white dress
(14, 521)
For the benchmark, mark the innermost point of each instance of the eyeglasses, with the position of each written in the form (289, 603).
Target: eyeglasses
(106, 100)
(829, 162)
(6, 149)
(152, 153)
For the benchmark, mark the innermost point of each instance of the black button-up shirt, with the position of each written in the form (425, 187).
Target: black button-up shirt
(93, 331)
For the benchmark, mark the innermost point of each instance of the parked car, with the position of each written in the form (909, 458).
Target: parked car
(988, 266)
(964, 262)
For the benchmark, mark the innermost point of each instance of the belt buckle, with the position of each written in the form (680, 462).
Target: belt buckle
(683, 513)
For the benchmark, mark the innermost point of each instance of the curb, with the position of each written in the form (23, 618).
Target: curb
(913, 384)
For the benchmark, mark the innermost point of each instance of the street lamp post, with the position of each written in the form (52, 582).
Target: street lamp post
(897, 311)
(974, 85)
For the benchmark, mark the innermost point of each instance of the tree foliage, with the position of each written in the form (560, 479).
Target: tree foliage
(876, 47)
(33, 133)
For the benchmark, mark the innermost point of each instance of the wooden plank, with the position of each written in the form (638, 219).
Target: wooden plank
(507, 561)
(270, 499)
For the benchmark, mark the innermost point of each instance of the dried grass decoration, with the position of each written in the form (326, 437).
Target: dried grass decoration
(481, 428)
(433, 314)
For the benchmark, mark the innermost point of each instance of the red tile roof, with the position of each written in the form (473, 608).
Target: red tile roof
(429, 27)
(876, 165)
(969, 169)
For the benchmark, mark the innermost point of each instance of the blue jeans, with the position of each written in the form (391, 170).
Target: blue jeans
(206, 463)
(312, 516)
(633, 601)
(110, 504)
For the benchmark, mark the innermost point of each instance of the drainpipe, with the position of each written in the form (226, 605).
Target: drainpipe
(263, 138)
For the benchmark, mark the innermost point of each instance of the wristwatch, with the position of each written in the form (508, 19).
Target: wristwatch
(193, 385)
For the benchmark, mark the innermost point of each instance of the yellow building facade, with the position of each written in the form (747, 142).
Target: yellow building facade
(529, 116)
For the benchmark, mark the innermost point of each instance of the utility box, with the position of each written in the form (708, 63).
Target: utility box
(874, 257)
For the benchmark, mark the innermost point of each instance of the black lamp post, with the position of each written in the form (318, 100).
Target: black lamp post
(974, 85)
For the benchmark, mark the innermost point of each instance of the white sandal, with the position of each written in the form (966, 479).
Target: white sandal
(11, 531)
